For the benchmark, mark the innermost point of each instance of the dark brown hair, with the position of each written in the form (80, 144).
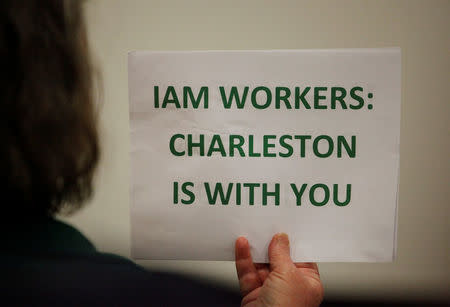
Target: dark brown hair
(48, 135)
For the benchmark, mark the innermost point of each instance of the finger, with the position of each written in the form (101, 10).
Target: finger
(247, 274)
(263, 271)
(250, 300)
(279, 252)
(307, 265)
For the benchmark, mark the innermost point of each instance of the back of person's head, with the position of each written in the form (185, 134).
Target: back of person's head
(48, 135)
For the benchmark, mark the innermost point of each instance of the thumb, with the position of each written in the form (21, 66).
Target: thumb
(279, 252)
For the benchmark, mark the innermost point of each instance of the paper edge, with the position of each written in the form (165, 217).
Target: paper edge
(376, 49)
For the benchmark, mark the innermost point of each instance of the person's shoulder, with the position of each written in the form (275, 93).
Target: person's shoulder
(97, 279)
(164, 288)
(52, 263)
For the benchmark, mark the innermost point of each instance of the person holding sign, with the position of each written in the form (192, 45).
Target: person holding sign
(48, 155)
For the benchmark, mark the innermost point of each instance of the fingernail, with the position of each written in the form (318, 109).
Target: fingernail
(283, 238)
(242, 240)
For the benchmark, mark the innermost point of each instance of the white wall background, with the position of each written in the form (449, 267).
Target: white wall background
(420, 28)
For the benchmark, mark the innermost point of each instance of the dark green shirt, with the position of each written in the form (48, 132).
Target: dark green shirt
(48, 262)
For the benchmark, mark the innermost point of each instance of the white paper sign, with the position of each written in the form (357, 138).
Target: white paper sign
(251, 143)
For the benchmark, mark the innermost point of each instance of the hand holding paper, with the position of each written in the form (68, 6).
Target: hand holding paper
(280, 283)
